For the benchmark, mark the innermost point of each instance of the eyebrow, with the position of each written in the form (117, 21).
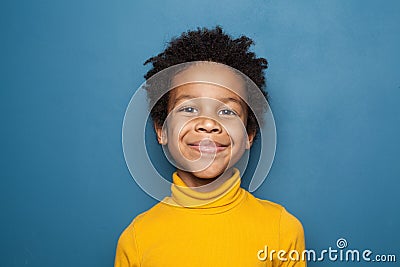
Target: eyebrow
(223, 100)
(231, 99)
(182, 97)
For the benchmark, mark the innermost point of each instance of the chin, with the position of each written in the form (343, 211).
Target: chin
(209, 173)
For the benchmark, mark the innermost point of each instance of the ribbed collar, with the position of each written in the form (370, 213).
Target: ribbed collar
(223, 198)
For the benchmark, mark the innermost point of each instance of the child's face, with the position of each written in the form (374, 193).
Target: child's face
(205, 132)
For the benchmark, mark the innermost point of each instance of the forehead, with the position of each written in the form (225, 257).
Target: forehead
(209, 79)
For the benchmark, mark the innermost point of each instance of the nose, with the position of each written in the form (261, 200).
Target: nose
(208, 125)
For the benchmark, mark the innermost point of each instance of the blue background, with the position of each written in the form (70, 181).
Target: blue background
(69, 68)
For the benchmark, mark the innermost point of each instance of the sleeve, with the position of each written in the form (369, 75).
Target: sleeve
(291, 240)
(127, 253)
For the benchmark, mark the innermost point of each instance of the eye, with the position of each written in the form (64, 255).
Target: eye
(188, 109)
(227, 112)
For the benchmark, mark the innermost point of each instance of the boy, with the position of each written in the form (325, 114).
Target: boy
(206, 122)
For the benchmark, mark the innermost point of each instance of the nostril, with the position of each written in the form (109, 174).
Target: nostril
(208, 126)
(213, 130)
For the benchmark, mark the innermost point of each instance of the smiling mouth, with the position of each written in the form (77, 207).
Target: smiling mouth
(208, 146)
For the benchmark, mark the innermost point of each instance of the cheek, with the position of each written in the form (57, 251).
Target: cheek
(236, 130)
(177, 127)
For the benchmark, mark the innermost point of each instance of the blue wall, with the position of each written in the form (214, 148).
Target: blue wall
(69, 68)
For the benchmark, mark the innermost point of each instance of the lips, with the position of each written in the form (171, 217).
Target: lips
(208, 146)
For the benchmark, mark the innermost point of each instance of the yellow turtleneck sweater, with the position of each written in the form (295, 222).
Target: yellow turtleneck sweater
(227, 227)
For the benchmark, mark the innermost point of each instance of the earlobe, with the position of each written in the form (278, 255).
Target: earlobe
(248, 144)
(250, 139)
(161, 134)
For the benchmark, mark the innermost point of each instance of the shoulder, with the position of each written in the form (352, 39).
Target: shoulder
(129, 234)
(146, 215)
(286, 219)
(128, 252)
(265, 205)
(150, 218)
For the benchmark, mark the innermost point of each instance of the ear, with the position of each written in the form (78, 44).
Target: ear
(161, 134)
(250, 140)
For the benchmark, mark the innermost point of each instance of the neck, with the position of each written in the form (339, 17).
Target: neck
(204, 184)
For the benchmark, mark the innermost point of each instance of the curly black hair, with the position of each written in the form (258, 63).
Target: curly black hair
(208, 45)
